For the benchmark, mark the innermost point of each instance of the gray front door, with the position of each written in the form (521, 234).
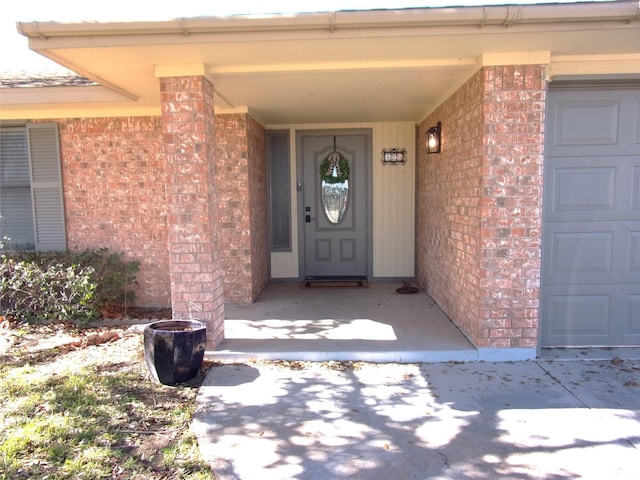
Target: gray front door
(334, 212)
(591, 232)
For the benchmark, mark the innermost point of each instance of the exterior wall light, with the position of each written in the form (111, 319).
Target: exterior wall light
(394, 156)
(433, 139)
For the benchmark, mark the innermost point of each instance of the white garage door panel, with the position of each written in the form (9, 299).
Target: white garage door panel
(591, 236)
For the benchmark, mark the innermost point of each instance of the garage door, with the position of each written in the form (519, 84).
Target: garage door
(591, 234)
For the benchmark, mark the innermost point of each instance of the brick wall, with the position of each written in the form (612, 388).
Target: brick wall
(479, 206)
(189, 135)
(242, 204)
(114, 189)
(113, 183)
(258, 187)
(448, 207)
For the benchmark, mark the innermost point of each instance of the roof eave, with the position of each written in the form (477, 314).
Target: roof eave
(507, 16)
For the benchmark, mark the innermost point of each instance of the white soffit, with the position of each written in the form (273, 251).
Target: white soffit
(386, 65)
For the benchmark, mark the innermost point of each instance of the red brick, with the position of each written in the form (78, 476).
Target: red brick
(242, 206)
(187, 115)
(500, 113)
(113, 186)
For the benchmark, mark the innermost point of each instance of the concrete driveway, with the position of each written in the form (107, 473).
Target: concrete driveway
(526, 420)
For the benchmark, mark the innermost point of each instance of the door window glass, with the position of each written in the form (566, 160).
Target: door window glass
(334, 185)
(335, 199)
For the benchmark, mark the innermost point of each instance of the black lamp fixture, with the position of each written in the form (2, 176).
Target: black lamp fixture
(433, 139)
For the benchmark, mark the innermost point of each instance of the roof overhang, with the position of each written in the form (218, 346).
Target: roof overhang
(347, 66)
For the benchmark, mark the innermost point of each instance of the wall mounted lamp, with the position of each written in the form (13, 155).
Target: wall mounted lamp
(394, 156)
(434, 139)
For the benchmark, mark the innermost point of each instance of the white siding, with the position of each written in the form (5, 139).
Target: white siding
(394, 203)
(393, 196)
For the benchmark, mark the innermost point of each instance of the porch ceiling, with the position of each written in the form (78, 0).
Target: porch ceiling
(387, 65)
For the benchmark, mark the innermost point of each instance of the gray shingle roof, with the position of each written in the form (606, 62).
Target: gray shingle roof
(56, 76)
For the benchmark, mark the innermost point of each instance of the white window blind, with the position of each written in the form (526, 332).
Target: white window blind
(16, 222)
(31, 202)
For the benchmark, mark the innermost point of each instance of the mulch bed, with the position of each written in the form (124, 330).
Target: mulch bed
(136, 313)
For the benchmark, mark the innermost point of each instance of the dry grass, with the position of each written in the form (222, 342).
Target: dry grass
(81, 404)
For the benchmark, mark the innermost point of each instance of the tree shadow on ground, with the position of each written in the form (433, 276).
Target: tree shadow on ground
(436, 421)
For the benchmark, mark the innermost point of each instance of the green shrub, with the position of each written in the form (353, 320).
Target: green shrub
(64, 286)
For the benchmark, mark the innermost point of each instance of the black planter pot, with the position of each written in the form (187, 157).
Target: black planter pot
(174, 349)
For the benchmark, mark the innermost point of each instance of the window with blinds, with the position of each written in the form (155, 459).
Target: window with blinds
(31, 203)
(16, 222)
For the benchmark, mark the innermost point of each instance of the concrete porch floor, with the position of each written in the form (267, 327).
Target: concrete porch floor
(374, 324)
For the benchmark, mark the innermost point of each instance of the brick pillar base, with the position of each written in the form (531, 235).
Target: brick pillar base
(194, 265)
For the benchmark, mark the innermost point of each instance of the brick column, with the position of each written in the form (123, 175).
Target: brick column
(189, 142)
(511, 213)
(479, 211)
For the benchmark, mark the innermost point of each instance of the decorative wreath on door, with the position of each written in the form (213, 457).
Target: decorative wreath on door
(335, 168)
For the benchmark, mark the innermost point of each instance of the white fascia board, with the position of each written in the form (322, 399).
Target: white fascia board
(52, 95)
(572, 65)
(391, 21)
